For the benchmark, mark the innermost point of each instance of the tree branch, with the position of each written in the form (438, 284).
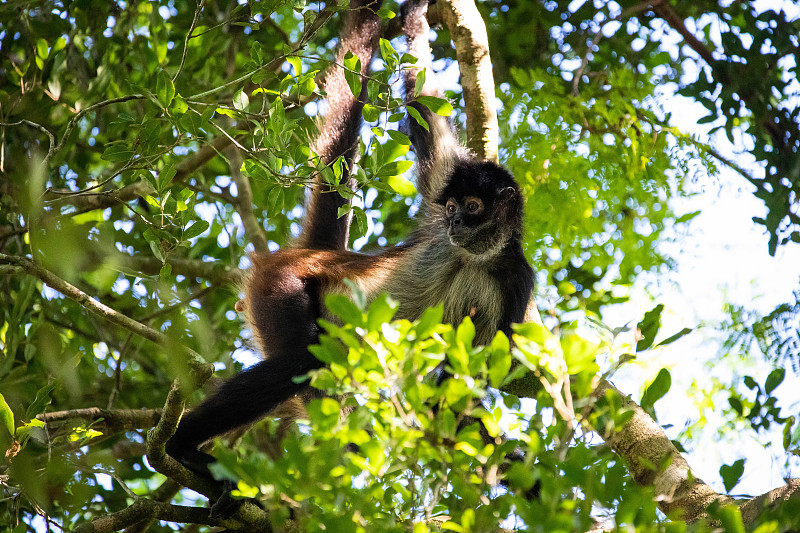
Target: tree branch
(112, 420)
(642, 443)
(201, 370)
(83, 203)
(244, 203)
(663, 10)
(753, 507)
(468, 32)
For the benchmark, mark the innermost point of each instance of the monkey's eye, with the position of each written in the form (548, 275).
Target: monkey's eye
(450, 207)
(474, 205)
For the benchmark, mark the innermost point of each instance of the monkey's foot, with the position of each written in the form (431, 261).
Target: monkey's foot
(227, 505)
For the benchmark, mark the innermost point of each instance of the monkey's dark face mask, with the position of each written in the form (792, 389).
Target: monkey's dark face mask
(482, 208)
(469, 225)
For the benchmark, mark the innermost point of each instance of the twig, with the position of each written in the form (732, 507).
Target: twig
(200, 369)
(197, 11)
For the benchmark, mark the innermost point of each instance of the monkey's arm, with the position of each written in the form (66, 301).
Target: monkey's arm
(437, 147)
(340, 127)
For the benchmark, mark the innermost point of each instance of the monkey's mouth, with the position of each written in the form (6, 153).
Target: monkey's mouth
(457, 237)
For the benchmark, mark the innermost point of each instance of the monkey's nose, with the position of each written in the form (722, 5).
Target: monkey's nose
(457, 220)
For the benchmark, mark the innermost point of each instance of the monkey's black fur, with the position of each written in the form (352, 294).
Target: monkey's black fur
(465, 254)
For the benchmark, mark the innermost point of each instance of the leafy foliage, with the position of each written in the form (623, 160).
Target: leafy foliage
(146, 146)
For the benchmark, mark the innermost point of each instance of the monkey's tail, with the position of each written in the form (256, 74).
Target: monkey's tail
(339, 129)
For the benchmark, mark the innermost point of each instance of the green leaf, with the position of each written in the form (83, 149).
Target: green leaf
(41, 401)
(440, 106)
(41, 48)
(401, 186)
(341, 306)
(352, 73)
(420, 83)
(657, 389)
(394, 168)
(195, 230)
(412, 111)
(165, 177)
(165, 89)
(465, 333)
(687, 217)
(118, 151)
(385, 13)
(731, 474)
(673, 338)
(296, 64)
(388, 53)
(731, 519)
(165, 272)
(371, 113)
(240, 100)
(6, 416)
(499, 359)
(774, 379)
(649, 327)
(256, 53)
(399, 137)
(427, 323)
(380, 311)
(193, 123)
(360, 219)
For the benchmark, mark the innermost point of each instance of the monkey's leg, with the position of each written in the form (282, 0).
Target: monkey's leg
(242, 399)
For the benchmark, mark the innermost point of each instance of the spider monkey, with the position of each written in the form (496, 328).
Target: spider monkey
(465, 254)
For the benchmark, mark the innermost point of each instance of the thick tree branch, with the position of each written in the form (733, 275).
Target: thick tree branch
(143, 509)
(110, 420)
(642, 443)
(468, 32)
(752, 508)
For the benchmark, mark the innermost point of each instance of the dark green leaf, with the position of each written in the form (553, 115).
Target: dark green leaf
(657, 389)
(41, 401)
(774, 379)
(649, 327)
(731, 474)
(673, 338)
(195, 229)
(165, 89)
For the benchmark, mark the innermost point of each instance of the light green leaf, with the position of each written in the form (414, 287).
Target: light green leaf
(6, 416)
(240, 100)
(440, 106)
(401, 185)
(352, 73)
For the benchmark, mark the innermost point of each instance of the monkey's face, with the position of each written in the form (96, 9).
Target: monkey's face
(467, 222)
(482, 207)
